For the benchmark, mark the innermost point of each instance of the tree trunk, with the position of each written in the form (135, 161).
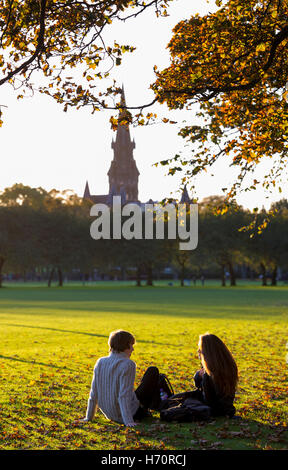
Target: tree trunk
(51, 277)
(123, 274)
(182, 276)
(149, 275)
(2, 261)
(138, 277)
(264, 274)
(274, 277)
(223, 279)
(60, 276)
(232, 274)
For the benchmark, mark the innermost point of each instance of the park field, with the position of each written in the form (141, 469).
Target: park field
(51, 338)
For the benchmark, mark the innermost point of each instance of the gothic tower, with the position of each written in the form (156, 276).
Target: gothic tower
(123, 173)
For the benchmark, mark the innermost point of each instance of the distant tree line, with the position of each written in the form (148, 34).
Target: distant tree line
(46, 236)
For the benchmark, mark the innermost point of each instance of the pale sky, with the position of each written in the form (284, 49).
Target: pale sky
(43, 146)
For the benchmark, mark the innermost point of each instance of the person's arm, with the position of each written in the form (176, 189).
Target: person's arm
(198, 378)
(209, 391)
(92, 401)
(126, 390)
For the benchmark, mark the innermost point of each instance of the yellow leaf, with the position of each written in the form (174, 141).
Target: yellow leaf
(261, 47)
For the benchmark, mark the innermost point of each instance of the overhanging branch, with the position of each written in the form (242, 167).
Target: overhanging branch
(39, 47)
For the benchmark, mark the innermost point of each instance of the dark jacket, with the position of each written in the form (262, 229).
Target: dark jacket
(220, 405)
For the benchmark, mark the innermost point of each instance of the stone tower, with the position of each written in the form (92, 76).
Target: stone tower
(123, 173)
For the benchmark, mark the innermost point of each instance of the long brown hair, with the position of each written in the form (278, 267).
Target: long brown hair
(218, 362)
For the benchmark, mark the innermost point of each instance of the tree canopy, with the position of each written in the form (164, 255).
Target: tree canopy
(42, 41)
(233, 64)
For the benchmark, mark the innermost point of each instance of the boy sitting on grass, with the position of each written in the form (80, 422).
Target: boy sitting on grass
(112, 388)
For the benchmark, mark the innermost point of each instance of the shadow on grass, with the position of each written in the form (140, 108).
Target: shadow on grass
(11, 358)
(83, 333)
(190, 302)
(217, 433)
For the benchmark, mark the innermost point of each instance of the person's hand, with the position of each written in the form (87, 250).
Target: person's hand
(131, 425)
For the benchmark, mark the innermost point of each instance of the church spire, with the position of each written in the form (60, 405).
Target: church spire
(86, 194)
(123, 133)
(185, 196)
(123, 173)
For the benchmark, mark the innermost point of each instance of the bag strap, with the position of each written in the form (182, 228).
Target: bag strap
(169, 383)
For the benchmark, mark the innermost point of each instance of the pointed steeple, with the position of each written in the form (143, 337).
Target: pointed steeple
(185, 196)
(123, 172)
(87, 194)
(123, 138)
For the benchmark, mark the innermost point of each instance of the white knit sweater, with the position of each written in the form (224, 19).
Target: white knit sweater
(112, 388)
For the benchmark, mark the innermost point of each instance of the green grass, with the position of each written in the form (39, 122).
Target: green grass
(51, 338)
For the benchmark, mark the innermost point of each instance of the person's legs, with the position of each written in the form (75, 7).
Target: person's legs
(141, 413)
(148, 390)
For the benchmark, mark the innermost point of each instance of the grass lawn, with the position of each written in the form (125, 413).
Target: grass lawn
(51, 338)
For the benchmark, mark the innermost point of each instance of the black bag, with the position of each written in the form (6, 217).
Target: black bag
(185, 412)
(165, 385)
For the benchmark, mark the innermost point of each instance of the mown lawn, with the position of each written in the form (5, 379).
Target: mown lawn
(51, 338)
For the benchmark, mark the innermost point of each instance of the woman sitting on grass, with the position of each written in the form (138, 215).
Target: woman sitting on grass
(216, 381)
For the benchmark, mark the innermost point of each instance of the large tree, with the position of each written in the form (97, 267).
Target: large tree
(221, 239)
(271, 247)
(233, 65)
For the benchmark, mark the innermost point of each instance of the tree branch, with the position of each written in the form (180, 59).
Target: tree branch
(39, 47)
(8, 21)
(132, 107)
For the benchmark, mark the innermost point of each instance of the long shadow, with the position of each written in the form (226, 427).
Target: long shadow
(209, 310)
(189, 303)
(248, 434)
(35, 363)
(83, 333)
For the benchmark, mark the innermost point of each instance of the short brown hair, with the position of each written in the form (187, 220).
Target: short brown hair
(120, 340)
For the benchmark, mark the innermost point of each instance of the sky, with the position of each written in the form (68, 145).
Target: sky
(43, 146)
